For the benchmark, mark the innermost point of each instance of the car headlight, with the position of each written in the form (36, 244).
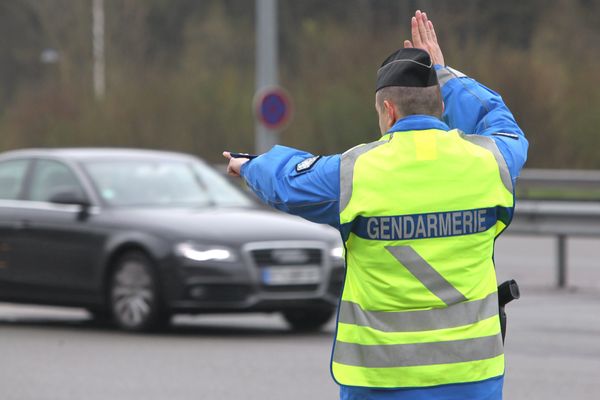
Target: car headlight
(337, 253)
(197, 252)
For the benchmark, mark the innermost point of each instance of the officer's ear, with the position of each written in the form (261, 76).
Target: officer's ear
(390, 113)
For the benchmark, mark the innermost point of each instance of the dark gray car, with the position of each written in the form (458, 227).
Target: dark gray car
(139, 235)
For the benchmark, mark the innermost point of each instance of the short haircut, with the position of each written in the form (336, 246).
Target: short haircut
(412, 100)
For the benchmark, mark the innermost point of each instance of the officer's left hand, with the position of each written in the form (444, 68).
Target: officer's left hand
(424, 37)
(235, 164)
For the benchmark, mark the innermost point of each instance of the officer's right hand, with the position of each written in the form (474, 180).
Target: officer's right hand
(424, 37)
(235, 164)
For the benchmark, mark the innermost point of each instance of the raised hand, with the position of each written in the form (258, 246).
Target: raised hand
(424, 37)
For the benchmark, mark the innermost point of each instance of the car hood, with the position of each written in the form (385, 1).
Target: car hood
(222, 225)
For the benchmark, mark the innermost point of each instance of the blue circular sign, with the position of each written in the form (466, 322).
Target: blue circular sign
(273, 108)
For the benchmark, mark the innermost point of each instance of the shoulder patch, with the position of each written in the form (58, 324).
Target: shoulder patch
(510, 135)
(307, 164)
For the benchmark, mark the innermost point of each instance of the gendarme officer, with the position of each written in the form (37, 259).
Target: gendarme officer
(418, 210)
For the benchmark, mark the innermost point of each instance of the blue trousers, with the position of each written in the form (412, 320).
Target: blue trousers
(490, 389)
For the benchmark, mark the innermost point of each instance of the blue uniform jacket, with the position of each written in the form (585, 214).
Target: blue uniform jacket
(300, 183)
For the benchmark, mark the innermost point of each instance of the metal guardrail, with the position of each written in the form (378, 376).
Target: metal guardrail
(560, 177)
(555, 184)
(559, 219)
(560, 203)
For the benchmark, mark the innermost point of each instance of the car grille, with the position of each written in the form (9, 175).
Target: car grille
(287, 257)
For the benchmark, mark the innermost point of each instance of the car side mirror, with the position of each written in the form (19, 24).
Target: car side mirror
(70, 195)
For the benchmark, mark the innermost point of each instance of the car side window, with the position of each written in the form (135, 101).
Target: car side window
(50, 178)
(12, 175)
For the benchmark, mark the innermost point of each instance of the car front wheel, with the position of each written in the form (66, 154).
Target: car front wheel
(134, 294)
(308, 320)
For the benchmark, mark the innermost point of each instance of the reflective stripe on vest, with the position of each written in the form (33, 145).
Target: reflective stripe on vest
(418, 354)
(420, 320)
(419, 212)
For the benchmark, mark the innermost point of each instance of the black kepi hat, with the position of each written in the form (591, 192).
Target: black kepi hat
(407, 67)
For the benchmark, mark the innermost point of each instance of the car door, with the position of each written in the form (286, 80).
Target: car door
(13, 173)
(59, 249)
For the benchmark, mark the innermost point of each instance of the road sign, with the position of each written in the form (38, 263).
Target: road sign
(273, 107)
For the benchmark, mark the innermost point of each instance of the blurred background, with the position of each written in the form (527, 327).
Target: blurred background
(181, 75)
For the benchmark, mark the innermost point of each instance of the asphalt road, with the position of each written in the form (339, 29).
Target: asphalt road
(553, 348)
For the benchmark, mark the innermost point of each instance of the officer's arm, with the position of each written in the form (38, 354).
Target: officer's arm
(475, 109)
(297, 183)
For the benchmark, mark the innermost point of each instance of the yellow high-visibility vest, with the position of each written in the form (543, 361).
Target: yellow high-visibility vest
(419, 212)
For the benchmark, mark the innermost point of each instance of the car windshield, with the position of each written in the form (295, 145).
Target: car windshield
(167, 183)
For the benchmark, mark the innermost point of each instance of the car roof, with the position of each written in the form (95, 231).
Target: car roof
(86, 153)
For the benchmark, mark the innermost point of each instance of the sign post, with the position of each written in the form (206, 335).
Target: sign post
(266, 65)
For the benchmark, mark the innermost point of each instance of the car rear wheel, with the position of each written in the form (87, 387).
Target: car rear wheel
(134, 294)
(308, 320)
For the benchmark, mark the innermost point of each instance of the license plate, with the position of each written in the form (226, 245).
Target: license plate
(291, 275)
